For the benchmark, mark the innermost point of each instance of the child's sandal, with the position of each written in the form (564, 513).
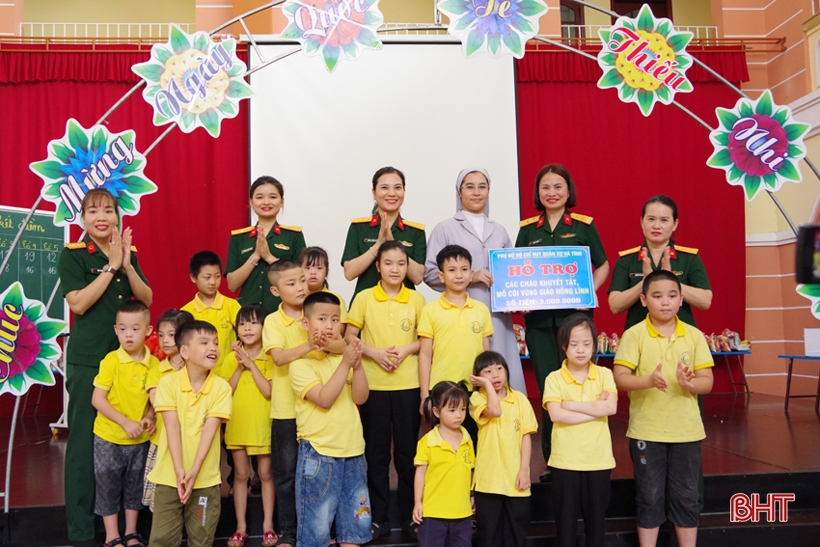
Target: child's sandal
(114, 542)
(139, 538)
(269, 538)
(237, 540)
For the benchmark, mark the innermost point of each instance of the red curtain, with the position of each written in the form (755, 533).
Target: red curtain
(619, 158)
(203, 182)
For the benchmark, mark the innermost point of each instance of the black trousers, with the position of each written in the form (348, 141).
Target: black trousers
(391, 416)
(503, 521)
(584, 492)
(284, 451)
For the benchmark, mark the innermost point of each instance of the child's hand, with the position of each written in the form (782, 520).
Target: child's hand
(236, 345)
(472, 503)
(401, 353)
(318, 340)
(385, 358)
(658, 380)
(685, 375)
(180, 473)
(353, 354)
(481, 381)
(604, 396)
(522, 481)
(417, 513)
(148, 425)
(187, 486)
(242, 358)
(132, 428)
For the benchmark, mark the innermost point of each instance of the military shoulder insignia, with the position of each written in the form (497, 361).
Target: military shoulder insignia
(633, 250)
(242, 231)
(581, 218)
(688, 250)
(361, 220)
(76, 245)
(291, 228)
(416, 225)
(527, 222)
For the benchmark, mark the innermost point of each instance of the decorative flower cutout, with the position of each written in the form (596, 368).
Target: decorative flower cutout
(84, 159)
(758, 144)
(28, 342)
(333, 28)
(812, 292)
(498, 27)
(193, 81)
(645, 59)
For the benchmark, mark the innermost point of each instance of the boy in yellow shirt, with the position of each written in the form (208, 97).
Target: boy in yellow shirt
(331, 481)
(125, 422)
(193, 402)
(664, 364)
(286, 340)
(453, 330)
(205, 269)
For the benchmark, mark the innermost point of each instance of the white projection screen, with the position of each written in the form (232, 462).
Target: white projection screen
(421, 107)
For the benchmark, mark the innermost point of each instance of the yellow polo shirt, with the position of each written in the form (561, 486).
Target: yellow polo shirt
(671, 417)
(175, 394)
(124, 380)
(385, 322)
(222, 315)
(447, 480)
(335, 432)
(499, 442)
(281, 331)
(250, 420)
(586, 446)
(342, 305)
(154, 376)
(458, 334)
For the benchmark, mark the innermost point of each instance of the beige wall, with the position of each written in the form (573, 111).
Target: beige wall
(11, 15)
(692, 13)
(408, 11)
(110, 11)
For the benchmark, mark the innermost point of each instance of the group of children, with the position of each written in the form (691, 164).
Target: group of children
(319, 395)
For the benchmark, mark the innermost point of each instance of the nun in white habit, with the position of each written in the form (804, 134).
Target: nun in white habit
(472, 229)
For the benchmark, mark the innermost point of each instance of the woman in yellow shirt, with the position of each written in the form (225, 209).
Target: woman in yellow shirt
(249, 371)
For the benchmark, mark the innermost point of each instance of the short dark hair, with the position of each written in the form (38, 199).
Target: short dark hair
(489, 358)
(250, 312)
(265, 179)
(576, 320)
(391, 245)
(320, 297)
(134, 306)
(562, 172)
(187, 330)
(452, 252)
(442, 395)
(175, 317)
(659, 275)
(387, 171)
(275, 270)
(202, 259)
(663, 200)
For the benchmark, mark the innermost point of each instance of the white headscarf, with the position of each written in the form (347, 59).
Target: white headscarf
(460, 179)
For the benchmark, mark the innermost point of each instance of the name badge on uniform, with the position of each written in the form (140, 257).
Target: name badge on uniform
(536, 242)
(243, 251)
(370, 240)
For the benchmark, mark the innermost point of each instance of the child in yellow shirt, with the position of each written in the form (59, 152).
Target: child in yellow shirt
(248, 433)
(505, 421)
(125, 422)
(205, 269)
(444, 461)
(167, 326)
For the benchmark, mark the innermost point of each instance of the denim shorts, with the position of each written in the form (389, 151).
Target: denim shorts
(666, 482)
(327, 489)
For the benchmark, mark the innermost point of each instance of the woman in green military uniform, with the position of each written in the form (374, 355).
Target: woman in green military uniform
(659, 220)
(97, 274)
(366, 234)
(252, 249)
(555, 226)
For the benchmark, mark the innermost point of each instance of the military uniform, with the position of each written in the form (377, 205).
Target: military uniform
(685, 263)
(285, 243)
(542, 325)
(364, 232)
(92, 338)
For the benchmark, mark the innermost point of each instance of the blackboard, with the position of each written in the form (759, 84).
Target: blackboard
(34, 262)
